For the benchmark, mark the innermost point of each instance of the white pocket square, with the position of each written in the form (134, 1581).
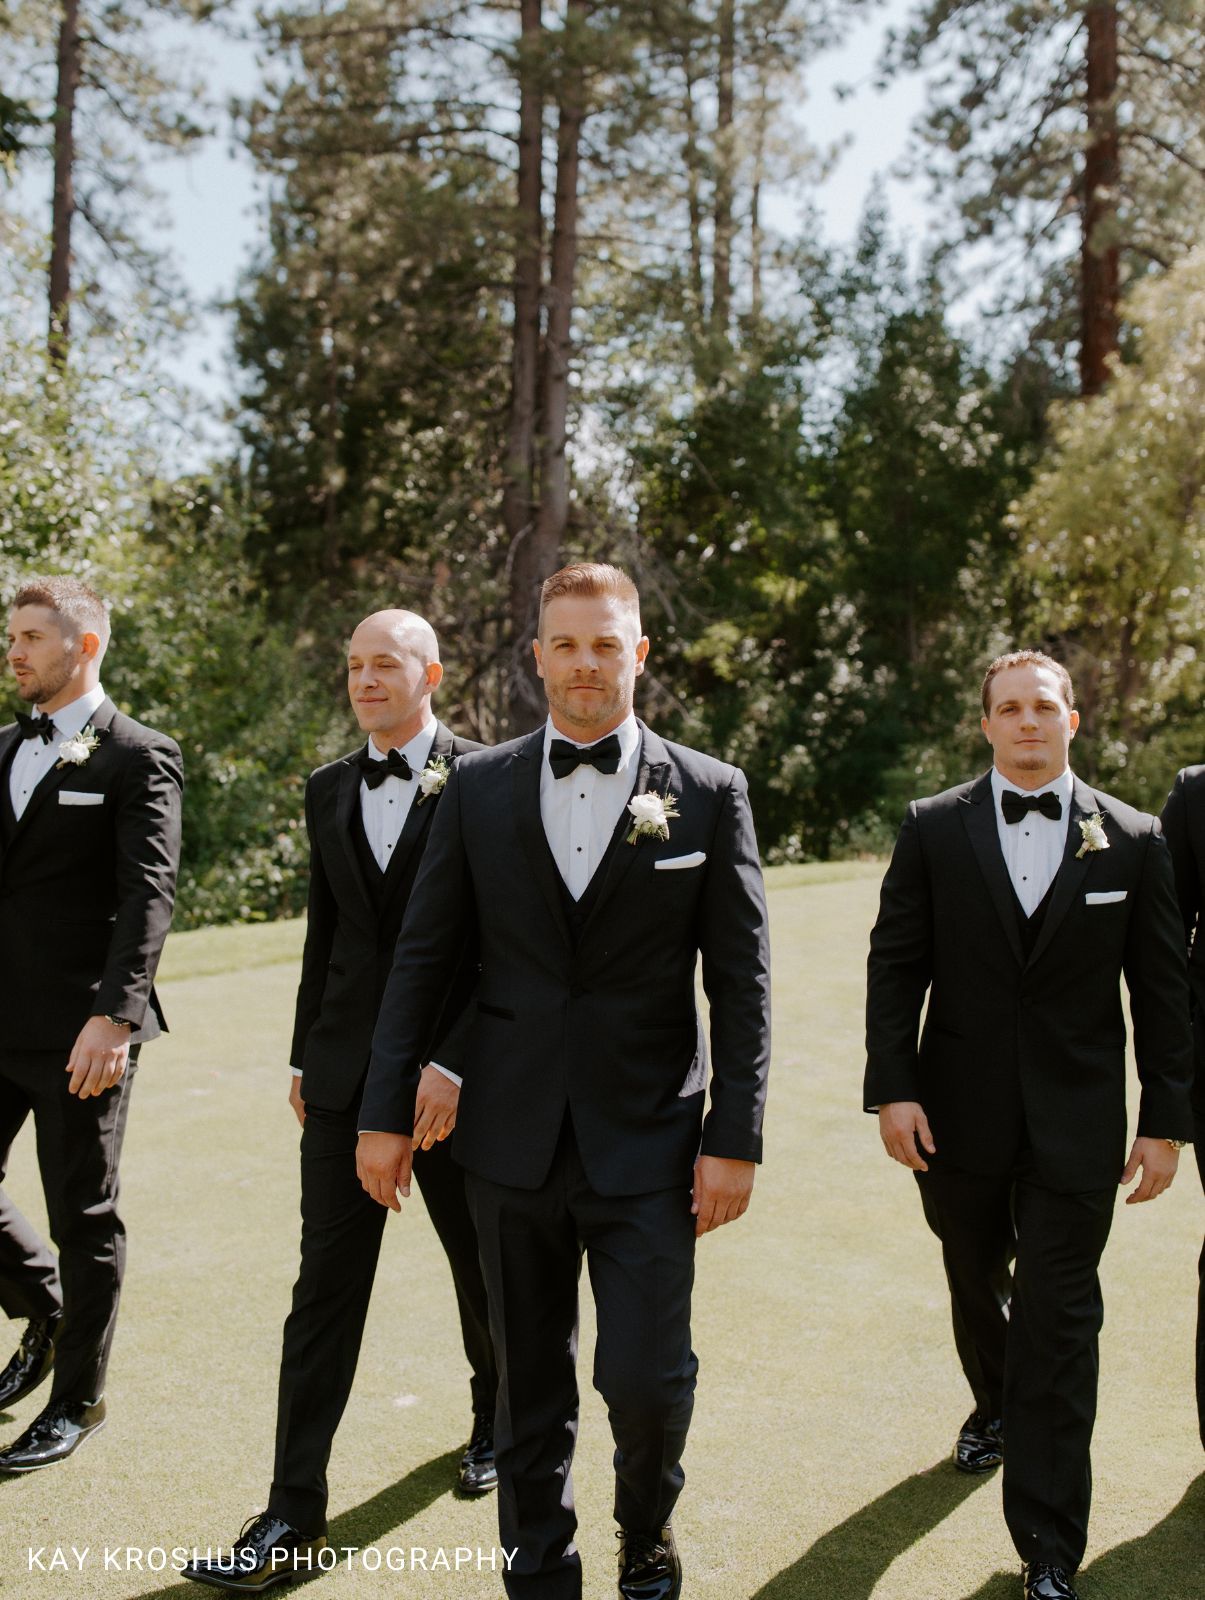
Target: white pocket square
(79, 797)
(1107, 897)
(696, 858)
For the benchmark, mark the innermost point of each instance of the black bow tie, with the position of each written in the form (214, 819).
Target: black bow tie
(39, 727)
(375, 772)
(1015, 806)
(565, 758)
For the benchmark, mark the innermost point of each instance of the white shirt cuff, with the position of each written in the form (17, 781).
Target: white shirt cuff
(296, 1071)
(451, 1076)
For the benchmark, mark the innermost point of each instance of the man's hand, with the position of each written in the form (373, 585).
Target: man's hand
(435, 1108)
(295, 1099)
(720, 1192)
(98, 1057)
(901, 1123)
(1158, 1162)
(383, 1166)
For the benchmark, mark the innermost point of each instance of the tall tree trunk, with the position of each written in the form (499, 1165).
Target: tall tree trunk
(1099, 252)
(63, 208)
(518, 496)
(756, 234)
(725, 158)
(552, 511)
(694, 198)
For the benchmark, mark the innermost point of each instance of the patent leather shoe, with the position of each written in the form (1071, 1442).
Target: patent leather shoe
(649, 1568)
(268, 1551)
(53, 1435)
(477, 1472)
(1046, 1582)
(980, 1446)
(32, 1362)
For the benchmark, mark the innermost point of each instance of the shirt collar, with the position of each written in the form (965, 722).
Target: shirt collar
(628, 734)
(75, 716)
(1063, 786)
(416, 751)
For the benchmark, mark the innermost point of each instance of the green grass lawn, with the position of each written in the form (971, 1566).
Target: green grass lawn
(829, 1395)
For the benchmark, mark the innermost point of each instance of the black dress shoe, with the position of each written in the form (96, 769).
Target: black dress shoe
(53, 1435)
(1044, 1582)
(649, 1568)
(477, 1473)
(980, 1446)
(267, 1552)
(32, 1362)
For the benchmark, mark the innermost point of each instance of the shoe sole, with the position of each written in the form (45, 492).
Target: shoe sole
(234, 1586)
(40, 1466)
(978, 1472)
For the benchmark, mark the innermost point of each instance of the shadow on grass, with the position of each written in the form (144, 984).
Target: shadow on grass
(851, 1558)
(368, 1522)
(1167, 1561)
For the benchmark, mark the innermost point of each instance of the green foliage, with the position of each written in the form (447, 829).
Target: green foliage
(1113, 531)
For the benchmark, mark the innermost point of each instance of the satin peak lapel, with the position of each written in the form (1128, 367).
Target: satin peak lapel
(345, 803)
(525, 793)
(59, 774)
(1072, 872)
(418, 818)
(979, 816)
(652, 773)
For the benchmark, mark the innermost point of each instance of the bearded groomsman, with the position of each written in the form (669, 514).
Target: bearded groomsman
(1017, 902)
(368, 817)
(597, 861)
(89, 846)
(1183, 821)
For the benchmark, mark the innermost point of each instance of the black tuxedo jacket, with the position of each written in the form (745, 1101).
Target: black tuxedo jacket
(1015, 1047)
(86, 889)
(603, 1026)
(1183, 821)
(350, 934)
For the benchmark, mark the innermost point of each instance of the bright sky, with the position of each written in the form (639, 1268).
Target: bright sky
(213, 207)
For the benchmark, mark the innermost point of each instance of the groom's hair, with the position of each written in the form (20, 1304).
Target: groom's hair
(1027, 658)
(78, 608)
(590, 580)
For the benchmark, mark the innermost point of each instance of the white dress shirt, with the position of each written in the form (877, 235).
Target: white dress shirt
(580, 812)
(33, 759)
(384, 809)
(1033, 848)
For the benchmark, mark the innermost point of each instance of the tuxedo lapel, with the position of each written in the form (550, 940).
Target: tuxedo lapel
(61, 772)
(979, 818)
(652, 773)
(525, 794)
(1072, 871)
(418, 818)
(9, 741)
(346, 802)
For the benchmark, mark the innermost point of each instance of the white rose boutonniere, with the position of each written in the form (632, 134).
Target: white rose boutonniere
(75, 751)
(651, 815)
(432, 778)
(1093, 830)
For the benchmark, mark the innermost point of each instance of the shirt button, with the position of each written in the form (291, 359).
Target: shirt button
(579, 849)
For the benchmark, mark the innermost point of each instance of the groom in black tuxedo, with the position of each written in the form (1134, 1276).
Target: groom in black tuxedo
(1183, 821)
(1017, 902)
(597, 862)
(368, 817)
(89, 845)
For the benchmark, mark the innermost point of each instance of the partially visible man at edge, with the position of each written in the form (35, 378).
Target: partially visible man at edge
(1017, 902)
(598, 862)
(1183, 821)
(89, 849)
(368, 816)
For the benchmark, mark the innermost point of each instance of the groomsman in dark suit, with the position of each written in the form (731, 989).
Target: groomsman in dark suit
(1183, 821)
(1017, 902)
(89, 846)
(368, 817)
(597, 862)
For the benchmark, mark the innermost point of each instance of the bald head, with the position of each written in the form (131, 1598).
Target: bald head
(392, 671)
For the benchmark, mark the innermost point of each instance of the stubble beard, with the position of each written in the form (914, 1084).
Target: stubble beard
(36, 690)
(609, 710)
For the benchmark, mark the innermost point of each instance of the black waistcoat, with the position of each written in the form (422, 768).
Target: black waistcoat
(1030, 927)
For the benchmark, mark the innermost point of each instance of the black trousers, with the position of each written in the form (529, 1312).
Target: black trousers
(1034, 1347)
(79, 1146)
(1199, 1150)
(639, 1251)
(341, 1231)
